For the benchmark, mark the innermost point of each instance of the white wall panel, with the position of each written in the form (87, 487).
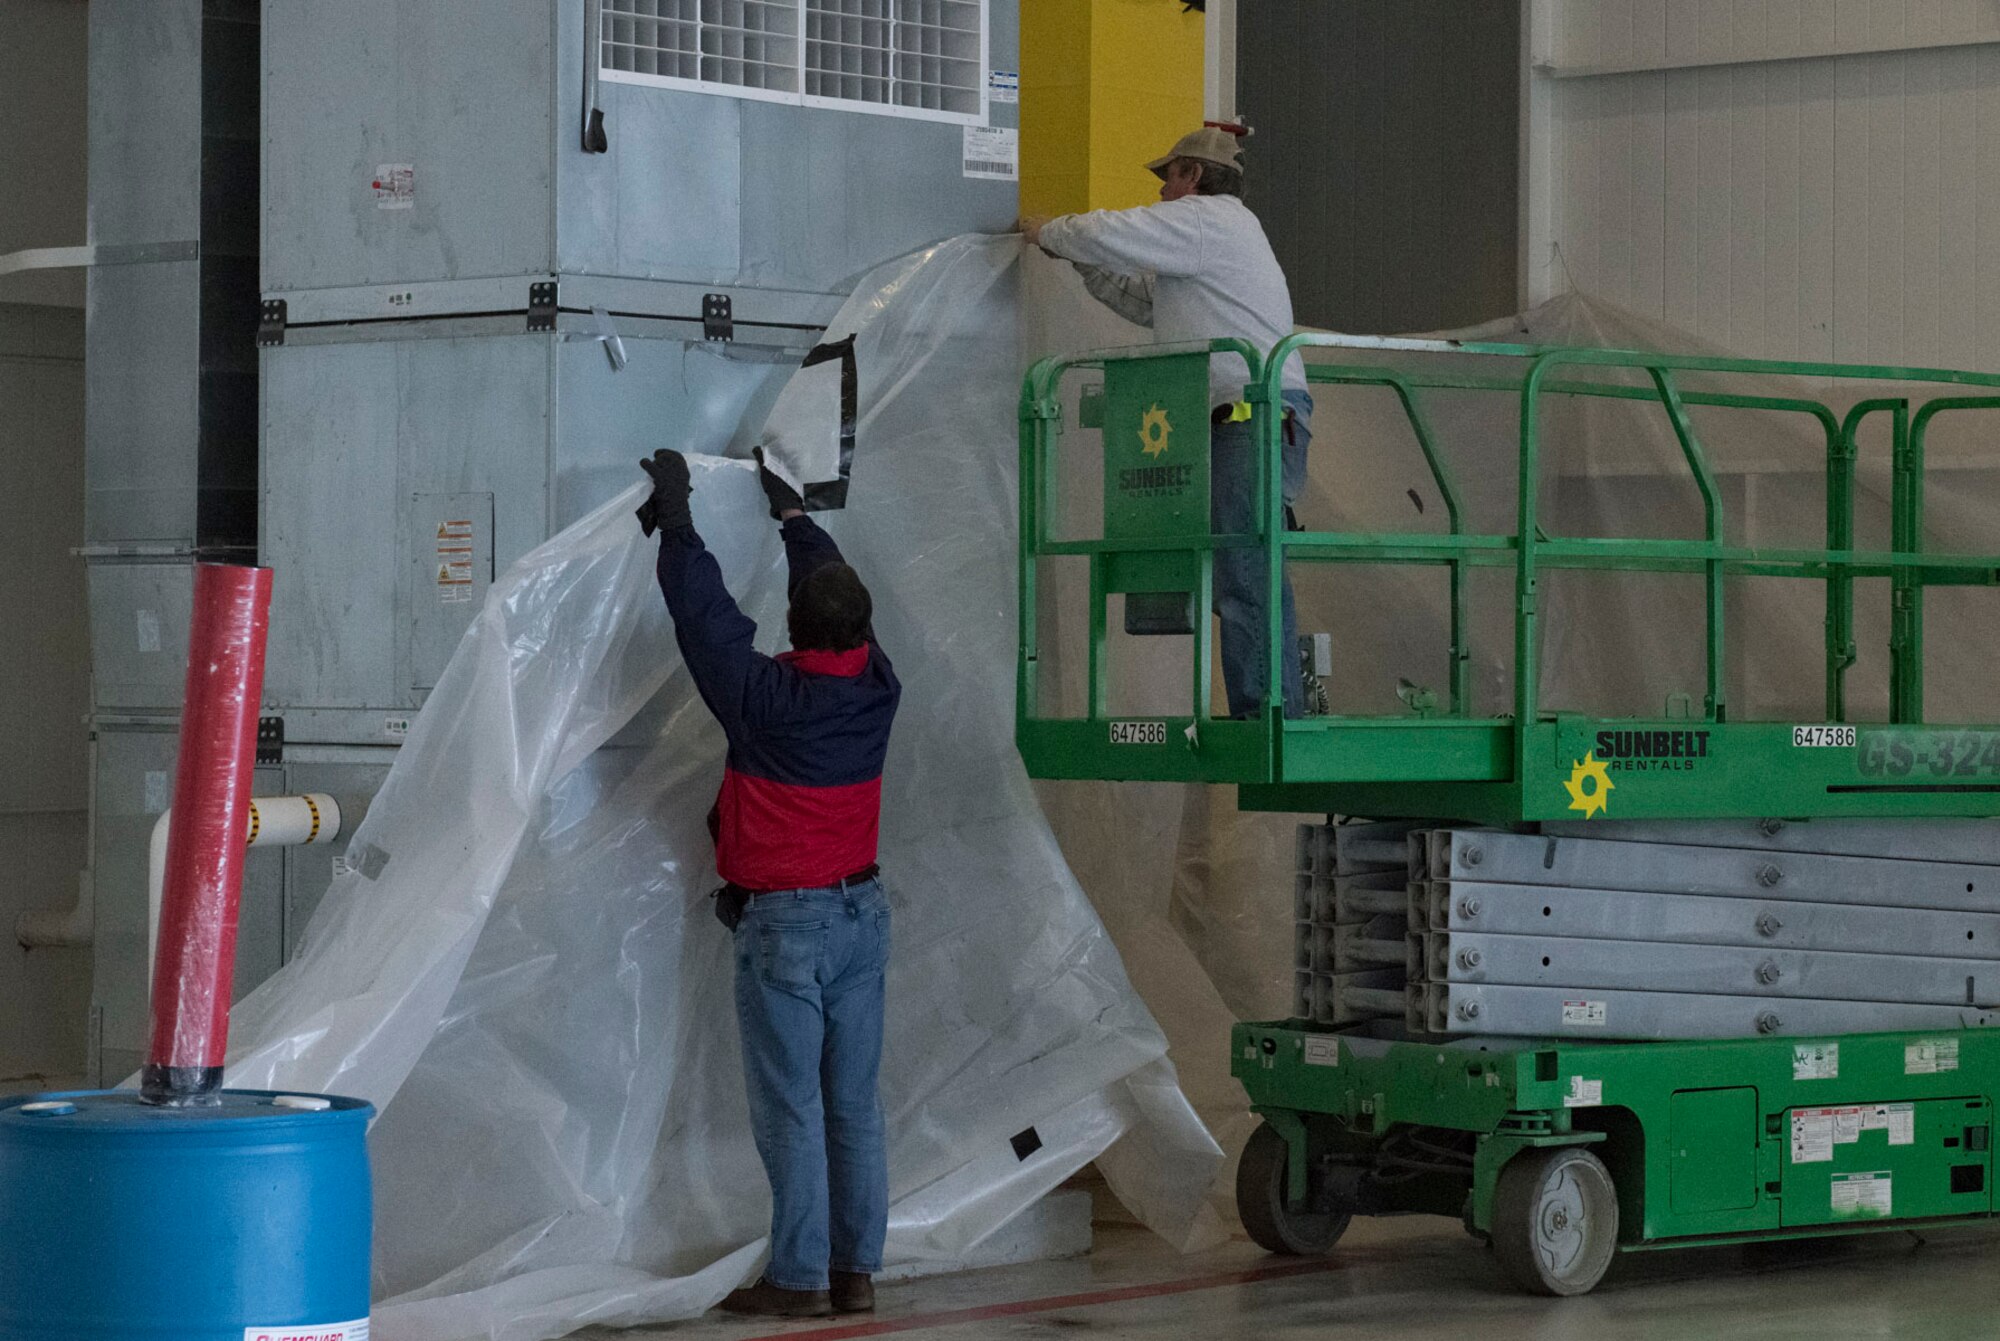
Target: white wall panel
(1811, 206)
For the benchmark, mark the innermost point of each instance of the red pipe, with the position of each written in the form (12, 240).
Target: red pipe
(205, 847)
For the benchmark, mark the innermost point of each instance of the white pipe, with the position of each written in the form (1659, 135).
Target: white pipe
(77, 925)
(275, 821)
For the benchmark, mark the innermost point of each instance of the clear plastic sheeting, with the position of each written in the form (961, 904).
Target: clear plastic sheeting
(519, 965)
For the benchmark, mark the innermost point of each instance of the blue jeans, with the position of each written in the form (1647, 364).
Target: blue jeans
(809, 971)
(1239, 573)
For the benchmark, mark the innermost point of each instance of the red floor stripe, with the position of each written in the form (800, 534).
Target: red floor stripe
(985, 1312)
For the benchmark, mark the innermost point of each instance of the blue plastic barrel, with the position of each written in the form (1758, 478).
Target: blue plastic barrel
(227, 1223)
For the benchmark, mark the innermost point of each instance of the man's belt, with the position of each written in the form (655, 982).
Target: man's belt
(861, 876)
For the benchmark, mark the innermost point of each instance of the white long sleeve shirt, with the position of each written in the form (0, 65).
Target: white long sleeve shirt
(1197, 268)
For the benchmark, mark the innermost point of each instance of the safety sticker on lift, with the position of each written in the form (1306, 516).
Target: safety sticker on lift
(1816, 1131)
(1815, 1061)
(1930, 1056)
(1862, 1196)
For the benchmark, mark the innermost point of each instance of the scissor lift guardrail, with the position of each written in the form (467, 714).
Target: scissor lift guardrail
(1527, 765)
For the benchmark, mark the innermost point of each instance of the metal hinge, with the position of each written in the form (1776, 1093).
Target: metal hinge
(718, 317)
(542, 306)
(271, 323)
(270, 740)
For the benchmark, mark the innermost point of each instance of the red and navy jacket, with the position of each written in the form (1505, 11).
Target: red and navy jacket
(801, 793)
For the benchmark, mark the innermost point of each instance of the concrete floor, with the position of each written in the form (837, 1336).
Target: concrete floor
(1424, 1279)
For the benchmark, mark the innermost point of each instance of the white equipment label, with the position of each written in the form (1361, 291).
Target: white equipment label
(1930, 1056)
(1588, 1014)
(1584, 1093)
(1812, 1135)
(1138, 733)
(993, 153)
(1816, 1061)
(1816, 1131)
(1861, 1195)
(333, 1331)
(1003, 86)
(149, 631)
(1322, 1052)
(1823, 737)
(454, 562)
(395, 186)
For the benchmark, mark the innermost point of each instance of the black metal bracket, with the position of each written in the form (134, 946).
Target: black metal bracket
(542, 306)
(271, 323)
(718, 317)
(270, 740)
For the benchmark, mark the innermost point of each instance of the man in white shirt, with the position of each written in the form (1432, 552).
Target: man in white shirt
(1197, 267)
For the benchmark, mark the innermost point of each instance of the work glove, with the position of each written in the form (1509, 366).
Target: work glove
(667, 509)
(783, 497)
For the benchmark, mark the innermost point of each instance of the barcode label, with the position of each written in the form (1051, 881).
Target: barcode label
(992, 153)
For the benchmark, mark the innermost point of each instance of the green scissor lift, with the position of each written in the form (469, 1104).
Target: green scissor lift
(1558, 1152)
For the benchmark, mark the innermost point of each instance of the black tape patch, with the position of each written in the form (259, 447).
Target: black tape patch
(831, 495)
(1025, 1143)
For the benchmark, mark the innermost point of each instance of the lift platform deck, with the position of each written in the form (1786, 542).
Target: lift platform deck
(1439, 759)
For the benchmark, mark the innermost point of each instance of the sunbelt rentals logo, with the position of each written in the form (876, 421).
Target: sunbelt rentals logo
(1589, 786)
(1155, 431)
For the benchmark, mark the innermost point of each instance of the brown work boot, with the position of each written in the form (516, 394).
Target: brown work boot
(766, 1300)
(853, 1292)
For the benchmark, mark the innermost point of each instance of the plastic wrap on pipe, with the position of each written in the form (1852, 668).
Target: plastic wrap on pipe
(519, 965)
(204, 861)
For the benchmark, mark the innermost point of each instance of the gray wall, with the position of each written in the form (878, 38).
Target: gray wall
(45, 658)
(42, 124)
(45, 664)
(1383, 164)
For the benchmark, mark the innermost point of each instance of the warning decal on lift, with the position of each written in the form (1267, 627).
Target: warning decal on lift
(1322, 1052)
(332, 1331)
(1861, 1196)
(1816, 1061)
(1816, 1131)
(1588, 1014)
(1584, 1093)
(1930, 1056)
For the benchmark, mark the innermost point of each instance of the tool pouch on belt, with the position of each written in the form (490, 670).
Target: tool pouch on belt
(730, 901)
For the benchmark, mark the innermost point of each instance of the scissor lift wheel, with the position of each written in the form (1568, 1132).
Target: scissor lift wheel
(1555, 1220)
(1261, 1182)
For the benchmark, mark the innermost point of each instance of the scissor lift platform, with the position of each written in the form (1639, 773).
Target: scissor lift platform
(1562, 1150)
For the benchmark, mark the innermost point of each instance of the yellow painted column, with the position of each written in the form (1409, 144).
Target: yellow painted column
(1106, 87)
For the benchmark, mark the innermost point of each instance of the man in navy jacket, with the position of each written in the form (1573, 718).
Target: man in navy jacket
(795, 830)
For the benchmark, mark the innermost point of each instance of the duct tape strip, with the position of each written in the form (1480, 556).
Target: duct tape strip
(830, 495)
(606, 334)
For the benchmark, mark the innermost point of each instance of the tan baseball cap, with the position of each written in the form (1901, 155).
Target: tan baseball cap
(1209, 144)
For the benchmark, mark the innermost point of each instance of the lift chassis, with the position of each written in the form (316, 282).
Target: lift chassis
(1560, 1153)
(1396, 1089)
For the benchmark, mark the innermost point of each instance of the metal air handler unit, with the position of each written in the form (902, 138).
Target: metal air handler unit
(507, 247)
(1585, 1012)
